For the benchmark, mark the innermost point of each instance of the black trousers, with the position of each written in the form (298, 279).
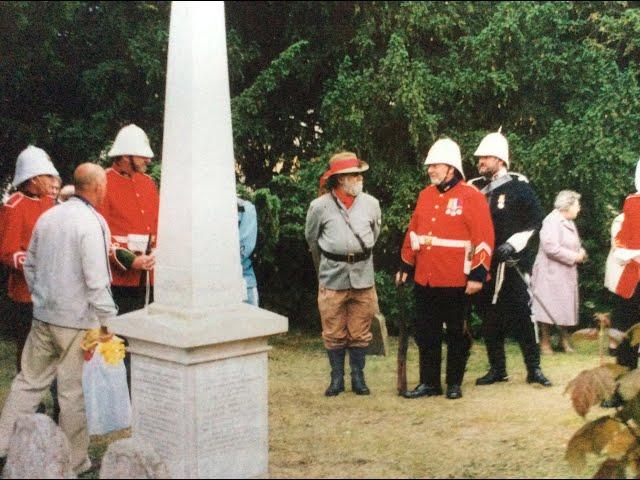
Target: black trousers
(511, 314)
(129, 299)
(21, 316)
(435, 307)
(626, 313)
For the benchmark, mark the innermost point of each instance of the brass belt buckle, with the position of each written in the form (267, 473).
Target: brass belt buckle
(351, 257)
(428, 240)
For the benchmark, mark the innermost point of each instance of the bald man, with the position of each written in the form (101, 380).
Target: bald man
(71, 294)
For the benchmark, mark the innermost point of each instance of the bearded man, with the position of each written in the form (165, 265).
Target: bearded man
(342, 228)
(447, 248)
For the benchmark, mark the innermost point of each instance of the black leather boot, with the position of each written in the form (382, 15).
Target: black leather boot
(493, 376)
(454, 392)
(497, 364)
(336, 360)
(535, 375)
(357, 362)
(424, 390)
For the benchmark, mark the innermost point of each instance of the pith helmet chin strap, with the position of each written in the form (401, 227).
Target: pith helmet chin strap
(132, 164)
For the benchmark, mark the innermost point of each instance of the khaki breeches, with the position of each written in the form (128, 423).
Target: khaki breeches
(346, 316)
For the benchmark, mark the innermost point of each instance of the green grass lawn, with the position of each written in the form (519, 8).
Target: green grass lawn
(511, 430)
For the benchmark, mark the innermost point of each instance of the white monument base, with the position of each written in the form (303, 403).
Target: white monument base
(199, 387)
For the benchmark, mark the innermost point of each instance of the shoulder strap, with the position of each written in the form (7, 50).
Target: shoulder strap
(345, 216)
(496, 184)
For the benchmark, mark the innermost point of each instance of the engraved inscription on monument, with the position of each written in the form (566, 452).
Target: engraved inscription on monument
(232, 416)
(159, 392)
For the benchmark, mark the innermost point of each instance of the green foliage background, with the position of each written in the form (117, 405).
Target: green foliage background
(382, 79)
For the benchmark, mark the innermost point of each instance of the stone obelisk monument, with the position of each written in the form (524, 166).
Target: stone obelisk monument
(199, 355)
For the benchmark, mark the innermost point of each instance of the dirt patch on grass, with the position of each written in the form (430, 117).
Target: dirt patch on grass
(509, 430)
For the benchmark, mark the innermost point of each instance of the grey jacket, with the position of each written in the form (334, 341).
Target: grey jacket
(326, 229)
(67, 268)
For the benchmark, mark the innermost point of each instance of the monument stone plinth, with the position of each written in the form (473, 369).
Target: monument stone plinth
(199, 355)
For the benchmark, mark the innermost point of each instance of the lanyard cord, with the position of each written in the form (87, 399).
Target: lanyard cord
(345, 216)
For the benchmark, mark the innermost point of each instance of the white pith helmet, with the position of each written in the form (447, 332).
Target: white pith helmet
(131, 140)
(445, 151)
(31, 162)
(494, 145)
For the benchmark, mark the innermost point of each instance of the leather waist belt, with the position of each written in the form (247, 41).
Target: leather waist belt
(349, 257)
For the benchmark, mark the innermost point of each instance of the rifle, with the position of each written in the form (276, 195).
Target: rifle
(403, 340)
(468, 337)
(147, 292)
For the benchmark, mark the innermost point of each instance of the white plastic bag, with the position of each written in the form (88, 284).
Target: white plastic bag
(106, 395)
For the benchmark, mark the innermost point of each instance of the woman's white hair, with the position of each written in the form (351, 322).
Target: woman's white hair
(565, 199)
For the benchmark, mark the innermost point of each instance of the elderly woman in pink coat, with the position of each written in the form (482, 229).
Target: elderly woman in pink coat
(555, 271)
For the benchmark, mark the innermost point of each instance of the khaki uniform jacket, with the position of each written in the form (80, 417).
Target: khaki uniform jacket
(327, 230)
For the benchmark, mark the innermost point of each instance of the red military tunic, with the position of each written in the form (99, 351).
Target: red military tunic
(629, 237)
(17, 218)
(130, 207)
(458, 234)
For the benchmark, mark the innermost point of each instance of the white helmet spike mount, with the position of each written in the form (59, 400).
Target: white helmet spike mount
(31, 162)
(131, 140)
(445, 151)
(494, 145)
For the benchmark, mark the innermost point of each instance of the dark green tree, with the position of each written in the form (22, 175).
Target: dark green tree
(383, 79)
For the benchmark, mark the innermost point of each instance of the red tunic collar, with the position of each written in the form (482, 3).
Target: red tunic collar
(120, 174)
